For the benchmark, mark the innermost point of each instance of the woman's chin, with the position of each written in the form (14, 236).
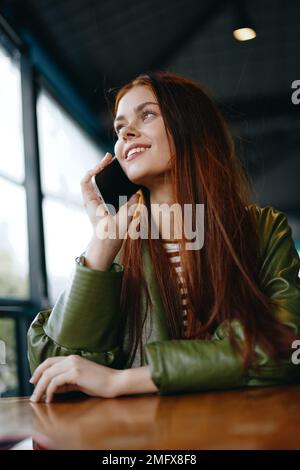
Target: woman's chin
(137, 178)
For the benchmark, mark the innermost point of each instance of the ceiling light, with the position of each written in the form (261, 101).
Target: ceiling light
(243, 28)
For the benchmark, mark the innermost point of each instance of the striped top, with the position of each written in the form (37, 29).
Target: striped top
(172, 250)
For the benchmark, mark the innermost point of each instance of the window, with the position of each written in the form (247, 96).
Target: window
(14, 268)
(66, 154)
(8, 358)
(14, 260)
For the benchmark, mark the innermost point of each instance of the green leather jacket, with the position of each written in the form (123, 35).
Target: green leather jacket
(85, 320)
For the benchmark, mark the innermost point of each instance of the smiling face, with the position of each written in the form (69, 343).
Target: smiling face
(142, 125)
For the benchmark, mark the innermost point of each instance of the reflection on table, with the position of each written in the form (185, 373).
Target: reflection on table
(258, 418)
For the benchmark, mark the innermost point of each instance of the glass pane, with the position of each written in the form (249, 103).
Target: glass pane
(67, 234)
(8, 358)
(14, 269)
(65, 150)
(11, 132)
(294, 223)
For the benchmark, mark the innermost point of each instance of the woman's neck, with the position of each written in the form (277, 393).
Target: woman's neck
(161, 200)
(161, 194)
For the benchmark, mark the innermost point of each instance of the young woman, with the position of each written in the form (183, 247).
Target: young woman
(144, 315)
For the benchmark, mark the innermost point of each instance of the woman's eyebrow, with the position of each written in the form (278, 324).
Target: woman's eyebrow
(137, 109)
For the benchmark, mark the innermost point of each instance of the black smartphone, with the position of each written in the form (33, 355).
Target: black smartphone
(113, 186)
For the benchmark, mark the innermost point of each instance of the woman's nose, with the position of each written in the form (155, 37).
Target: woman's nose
(128, 131)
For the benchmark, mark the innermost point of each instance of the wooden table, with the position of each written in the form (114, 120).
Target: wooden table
(258, 418)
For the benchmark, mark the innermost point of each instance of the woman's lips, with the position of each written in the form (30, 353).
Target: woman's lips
(135, 154)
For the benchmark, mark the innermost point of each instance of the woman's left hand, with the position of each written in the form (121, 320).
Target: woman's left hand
(73, 373)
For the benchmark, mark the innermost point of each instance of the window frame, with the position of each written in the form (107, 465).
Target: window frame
(23, 311)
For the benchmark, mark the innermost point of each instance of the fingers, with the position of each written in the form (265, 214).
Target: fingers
(42, 367)
(104, 162)
(65, 378)
(48, 372)
(88, 191)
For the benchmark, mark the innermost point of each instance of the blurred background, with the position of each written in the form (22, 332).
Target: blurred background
(59, 58)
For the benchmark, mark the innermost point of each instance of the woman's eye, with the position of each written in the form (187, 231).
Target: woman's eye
(147, 112)
(118, 128)
(144, 114)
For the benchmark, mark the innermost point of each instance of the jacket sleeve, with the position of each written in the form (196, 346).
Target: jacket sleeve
(83, 321)
(195, 365)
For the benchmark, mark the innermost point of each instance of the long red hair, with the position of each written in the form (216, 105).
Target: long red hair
(221, 278)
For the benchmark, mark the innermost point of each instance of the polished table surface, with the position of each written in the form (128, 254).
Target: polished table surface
(257, 418)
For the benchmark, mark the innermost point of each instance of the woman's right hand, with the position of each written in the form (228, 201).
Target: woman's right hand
(102, 220)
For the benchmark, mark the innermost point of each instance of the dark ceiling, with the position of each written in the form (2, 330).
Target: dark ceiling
(103, 44)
